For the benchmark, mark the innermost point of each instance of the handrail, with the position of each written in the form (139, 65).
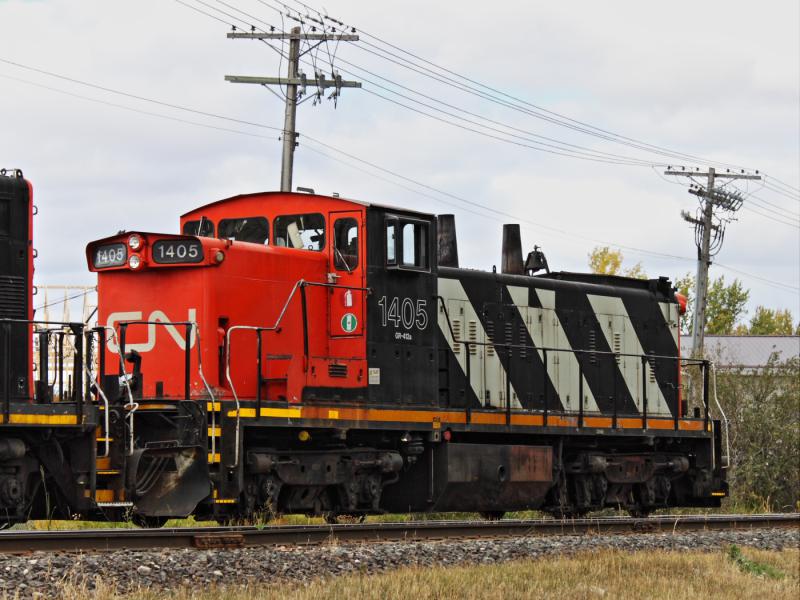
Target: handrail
(192, 328)
(132, 405)
(300, 284)
(59, 329)
(645, 358)
(727, 463)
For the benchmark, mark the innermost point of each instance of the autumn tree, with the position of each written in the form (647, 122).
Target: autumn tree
(605, 261)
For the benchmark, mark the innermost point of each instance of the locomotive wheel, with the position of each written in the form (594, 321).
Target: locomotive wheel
(492, 515)
(149, 522)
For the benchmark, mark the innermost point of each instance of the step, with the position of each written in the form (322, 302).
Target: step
(104, 496)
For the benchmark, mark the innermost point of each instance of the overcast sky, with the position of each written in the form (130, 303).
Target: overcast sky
(717, 80)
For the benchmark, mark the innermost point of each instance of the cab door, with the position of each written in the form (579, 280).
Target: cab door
(346, 252)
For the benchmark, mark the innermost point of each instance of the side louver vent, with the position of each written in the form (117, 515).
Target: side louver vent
(12, 297)
(337, 370)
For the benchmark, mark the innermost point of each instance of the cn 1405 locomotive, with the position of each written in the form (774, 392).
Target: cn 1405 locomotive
(303, 353)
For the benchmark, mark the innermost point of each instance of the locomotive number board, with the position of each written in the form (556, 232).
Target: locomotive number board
(110, 255)
(169, 252)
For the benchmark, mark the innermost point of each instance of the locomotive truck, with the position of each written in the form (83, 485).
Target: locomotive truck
(288, 352)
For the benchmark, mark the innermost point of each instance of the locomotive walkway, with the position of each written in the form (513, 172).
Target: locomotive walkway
(19, 542)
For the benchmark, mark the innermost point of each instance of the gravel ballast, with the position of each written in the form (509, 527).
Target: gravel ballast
(44, 574)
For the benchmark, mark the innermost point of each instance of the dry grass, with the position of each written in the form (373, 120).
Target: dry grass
(611, 574)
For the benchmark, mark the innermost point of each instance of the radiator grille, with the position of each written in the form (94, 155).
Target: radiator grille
(337, 370)
(12, 297)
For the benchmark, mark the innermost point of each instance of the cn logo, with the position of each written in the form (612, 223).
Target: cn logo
(157, 316)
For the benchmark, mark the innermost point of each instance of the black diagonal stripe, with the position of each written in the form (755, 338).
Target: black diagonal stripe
(453, 380)
(602, 373)
(656, 338)
(503, 324)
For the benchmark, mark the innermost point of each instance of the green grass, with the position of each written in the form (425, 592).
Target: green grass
(753, 567)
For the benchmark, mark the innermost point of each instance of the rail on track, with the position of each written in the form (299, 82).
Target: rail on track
(21, 541)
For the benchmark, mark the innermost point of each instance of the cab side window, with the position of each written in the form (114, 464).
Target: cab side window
(415, 245)
(407, 244)
(203, 227)
(391, 243)
(245, 229)
(303, 232)
(345, 244)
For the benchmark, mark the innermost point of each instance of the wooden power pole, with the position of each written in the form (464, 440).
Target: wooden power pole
(708, 238)
(295, 79)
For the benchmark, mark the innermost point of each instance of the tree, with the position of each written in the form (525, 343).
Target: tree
(767, 321)
(685, 287)
(724, 306)
(605, 261)
(763, 411)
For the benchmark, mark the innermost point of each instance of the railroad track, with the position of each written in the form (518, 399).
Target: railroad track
(16, 542)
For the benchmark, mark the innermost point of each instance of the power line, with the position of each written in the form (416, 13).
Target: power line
(782, 183)
(339, 151)
(772, 282)
(771, 218)
(627, 159)
(596, 155)
(781, 192)
(458, 84)
(136, 110)
(559, 118)
(67, 299)
(136, 97)
(485, 96)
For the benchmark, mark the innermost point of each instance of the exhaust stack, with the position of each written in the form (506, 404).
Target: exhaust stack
(512, 251)
(446, 242)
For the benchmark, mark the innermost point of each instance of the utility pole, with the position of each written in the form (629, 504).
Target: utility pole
(709, 233)
(295, 79)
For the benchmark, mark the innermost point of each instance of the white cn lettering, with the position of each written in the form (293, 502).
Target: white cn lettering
(176, 332)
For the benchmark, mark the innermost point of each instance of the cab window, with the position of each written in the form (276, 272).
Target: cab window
(391, 256)
(407, 244)
(414, 241)
(202, 227)
(345, 244)
(303, 232)
(245, 229)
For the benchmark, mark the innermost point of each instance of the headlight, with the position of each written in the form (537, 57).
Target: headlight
(134, 261)
(135, 242)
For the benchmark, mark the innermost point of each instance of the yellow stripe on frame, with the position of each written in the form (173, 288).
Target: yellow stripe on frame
(215, 431)
(27, 419)
(285, 413)
(225, 501)
(214, 458)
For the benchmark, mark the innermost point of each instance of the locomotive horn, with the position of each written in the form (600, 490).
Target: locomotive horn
(446, 241)
(512, 250)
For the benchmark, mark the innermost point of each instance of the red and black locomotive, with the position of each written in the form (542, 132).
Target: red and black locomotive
(303, 353)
